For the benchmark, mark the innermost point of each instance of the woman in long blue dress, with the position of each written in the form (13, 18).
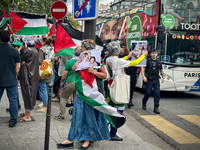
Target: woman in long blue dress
(88, 124)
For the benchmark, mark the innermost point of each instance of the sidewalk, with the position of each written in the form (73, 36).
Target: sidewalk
(30, 135)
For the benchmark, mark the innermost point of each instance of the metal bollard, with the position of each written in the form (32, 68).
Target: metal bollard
(48, 119)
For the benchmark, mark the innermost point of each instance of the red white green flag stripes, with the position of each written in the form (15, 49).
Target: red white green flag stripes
(63, 42)
(3, 19)
(16, 22)
(36, 24)
(86, 85)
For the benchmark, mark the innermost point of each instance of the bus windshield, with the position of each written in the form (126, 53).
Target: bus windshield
(181, 49)
(185, 12)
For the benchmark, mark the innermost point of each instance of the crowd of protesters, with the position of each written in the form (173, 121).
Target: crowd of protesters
(22, 58)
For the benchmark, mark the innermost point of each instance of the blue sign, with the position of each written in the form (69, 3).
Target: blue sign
(85, 9)
(165, 58)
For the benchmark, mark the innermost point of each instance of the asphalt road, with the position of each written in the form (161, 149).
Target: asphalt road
(179, 121)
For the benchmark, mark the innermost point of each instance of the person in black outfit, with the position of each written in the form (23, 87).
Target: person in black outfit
(106, 81)
(132, 72)
(122, 53)
(151, 76)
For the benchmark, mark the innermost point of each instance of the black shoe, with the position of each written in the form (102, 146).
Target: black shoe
(84, 148)
(130, 104)
(144, 105)
(70, 145)
(116, 138)
(11, 124)
(68, 105)
(156, 110)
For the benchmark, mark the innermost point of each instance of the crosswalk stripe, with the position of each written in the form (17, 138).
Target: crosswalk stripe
(176, 133)
(191, 118)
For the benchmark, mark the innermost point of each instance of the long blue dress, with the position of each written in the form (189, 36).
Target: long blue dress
(87, 123)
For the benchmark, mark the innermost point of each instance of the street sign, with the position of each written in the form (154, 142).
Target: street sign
(58, 10)
(85, 9)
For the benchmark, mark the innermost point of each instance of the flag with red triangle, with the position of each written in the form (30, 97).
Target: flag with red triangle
(3, 20)
(68, 37)
(51, 31)
(63, 42)
(16, 22)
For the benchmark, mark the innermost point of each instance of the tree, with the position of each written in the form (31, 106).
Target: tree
(75, 24)
(33, 6)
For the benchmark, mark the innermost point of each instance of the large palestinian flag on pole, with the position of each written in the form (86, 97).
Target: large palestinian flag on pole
(63, 43)
(36, 24)
(3, 20)
(64, 34)
(16, 22)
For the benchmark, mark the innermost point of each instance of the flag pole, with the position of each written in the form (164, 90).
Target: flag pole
(10, 24)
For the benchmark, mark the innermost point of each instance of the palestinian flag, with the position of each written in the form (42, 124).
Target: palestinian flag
(16, 22)
(36, 24)
(3, 20)
(63, 43)
(67, 38)
(49, 23)
(86, 86)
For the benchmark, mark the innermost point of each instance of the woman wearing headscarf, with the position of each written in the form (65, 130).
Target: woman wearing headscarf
(46, 51)
(88, 124)
(29, 74)
(114, 50)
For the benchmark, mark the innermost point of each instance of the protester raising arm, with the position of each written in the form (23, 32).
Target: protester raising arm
(137, 61)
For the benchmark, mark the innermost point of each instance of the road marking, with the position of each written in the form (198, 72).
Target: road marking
(191, 118)
(176, 133)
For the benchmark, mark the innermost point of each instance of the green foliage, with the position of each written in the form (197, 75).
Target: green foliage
(75, 24)
(33, 6)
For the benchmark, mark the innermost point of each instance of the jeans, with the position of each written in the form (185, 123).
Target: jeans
(113, 130)
(12, 94)
(132, 86)
(18, 103)
(43, 92)
(52, 82)
(156, 85)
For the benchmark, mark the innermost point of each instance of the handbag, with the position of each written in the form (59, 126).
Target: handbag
(65, 80)
(120, 88)
(45, 69)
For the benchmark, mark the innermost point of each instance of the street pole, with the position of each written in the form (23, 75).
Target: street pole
(90, 29)
(48, 119)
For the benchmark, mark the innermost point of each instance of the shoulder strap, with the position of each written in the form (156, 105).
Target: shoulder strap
(117, 69)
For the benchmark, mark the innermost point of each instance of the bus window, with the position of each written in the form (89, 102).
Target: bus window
(185, 13)
(181, 50)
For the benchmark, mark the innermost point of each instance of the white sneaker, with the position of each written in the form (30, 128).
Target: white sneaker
(55, 98)
(42, 110)
(40, 105)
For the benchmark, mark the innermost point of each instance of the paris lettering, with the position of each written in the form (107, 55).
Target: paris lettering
(192, 75)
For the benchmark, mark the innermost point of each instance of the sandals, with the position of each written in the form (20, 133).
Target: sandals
(22, 114)
(23, 120)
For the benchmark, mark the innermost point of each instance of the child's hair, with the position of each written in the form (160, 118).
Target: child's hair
(47, 40)
(94, 58)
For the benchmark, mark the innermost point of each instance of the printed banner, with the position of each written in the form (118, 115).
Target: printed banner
(90, 58)
(138, 48)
